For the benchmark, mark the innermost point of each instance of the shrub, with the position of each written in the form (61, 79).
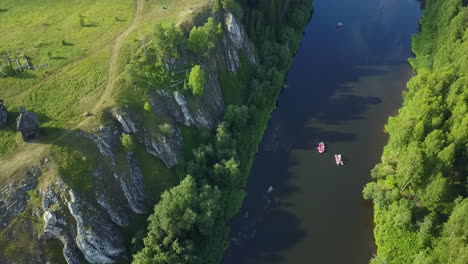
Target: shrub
(217, 6)
(8, 70)
(168, 39)
(127, 142)
(202, 39)
(234, 7)
(197, 80)
(165, 128)
(147, 106)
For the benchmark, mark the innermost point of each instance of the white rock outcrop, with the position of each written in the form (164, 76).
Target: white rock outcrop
(168, 148)
(97, 237)
(58, 227)
(128, 125)
(132, 184)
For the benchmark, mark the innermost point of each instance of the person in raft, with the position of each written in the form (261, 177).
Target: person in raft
(321, 147)
(338, 159)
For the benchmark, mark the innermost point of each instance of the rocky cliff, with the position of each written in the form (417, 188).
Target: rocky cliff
(88, 225)
(200, 111)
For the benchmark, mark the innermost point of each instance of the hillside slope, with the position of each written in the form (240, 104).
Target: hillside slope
(77, 185)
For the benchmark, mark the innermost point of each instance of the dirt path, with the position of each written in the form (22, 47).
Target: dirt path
(31, 153)
(106, 96)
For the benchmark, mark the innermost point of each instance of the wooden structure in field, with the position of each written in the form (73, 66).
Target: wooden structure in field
(18, 62)
(28, 124)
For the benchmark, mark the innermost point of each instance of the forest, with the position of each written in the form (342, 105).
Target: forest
(420, 188)
(190, 222)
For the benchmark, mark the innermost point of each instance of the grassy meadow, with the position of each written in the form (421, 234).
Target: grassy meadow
(69, 42)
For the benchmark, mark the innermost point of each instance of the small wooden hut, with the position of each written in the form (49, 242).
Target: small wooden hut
(28, 124)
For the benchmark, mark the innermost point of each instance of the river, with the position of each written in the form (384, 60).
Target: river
(342, 87)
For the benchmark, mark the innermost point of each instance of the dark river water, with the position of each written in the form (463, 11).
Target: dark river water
(342, 87)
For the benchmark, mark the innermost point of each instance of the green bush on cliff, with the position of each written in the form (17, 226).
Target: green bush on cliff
(168, 39)
(197, 80)
(127, 142)
(204, 38)
(234, 7)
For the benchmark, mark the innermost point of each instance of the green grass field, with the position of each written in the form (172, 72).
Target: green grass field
(73, 38)
(49, 32)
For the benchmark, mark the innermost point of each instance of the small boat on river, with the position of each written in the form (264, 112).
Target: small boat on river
(321, 147)
(339, 24)
(338, 159)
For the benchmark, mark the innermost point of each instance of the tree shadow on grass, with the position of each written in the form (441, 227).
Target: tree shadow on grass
(90, 25)
(58, 58)
(25, 74)
(68, 44)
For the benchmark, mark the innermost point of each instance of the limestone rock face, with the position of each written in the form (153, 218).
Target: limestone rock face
(114, 211)
(106, 139)
(168, 148)
(132, 183)
(14, 196)
(237, 36)
(108, 197)
(97, 237)
(128, 125)
(81, 226)
(56, 226)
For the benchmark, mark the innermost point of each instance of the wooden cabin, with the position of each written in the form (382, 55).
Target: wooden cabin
(28, 124)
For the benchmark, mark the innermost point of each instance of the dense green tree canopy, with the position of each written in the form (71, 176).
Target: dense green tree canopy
(204, 38)
(186, 215)
(168, 40)
(421, 181)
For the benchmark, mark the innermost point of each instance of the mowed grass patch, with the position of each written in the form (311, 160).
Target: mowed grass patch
(60, 102)
(63, 100)
(57, 32)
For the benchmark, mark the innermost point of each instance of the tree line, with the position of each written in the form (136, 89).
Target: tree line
(420, 188)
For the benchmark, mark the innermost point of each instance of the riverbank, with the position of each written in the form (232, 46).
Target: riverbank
(420, 191)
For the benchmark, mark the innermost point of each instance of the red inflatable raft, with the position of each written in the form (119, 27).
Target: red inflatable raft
(321, 147)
